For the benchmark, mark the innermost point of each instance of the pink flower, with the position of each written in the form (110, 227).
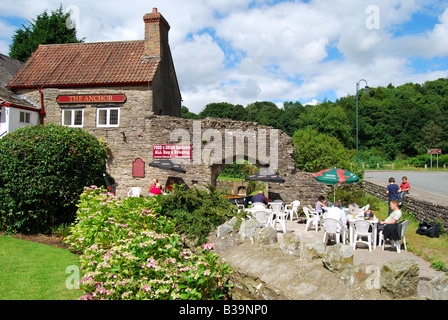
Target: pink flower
(151, 264)
(87, 296)
(209, 246)
(146, 287)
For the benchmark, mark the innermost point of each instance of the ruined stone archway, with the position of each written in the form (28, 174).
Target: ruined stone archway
(215, 143)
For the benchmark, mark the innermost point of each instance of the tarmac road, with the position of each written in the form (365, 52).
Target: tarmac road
(431, 186)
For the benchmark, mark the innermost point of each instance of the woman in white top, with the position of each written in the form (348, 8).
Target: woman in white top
(389, 227)
(395, 215)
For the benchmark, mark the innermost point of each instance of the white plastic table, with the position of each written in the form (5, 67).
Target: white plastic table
(374, 222)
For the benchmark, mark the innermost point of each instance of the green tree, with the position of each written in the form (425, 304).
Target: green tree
(45, 29)
(287, 120)
(265, 113)
(327, 118)
(316, 151)
(431, 138)
(221, 110)
(43, 170)
(187, 114)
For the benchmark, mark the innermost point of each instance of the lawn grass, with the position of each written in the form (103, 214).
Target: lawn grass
(34, 271)
(434, 250)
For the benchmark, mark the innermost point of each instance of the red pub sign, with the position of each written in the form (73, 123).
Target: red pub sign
(92, 98)
(162, 151)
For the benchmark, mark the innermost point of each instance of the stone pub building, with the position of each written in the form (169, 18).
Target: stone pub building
(109, 89)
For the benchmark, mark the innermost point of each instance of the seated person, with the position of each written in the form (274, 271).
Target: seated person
(259, 197)
(153, 184)
(170, 186)
(404, 189)
(389, 226)
(157, 189)
(321, 202)
(337, 214)
(342, 205)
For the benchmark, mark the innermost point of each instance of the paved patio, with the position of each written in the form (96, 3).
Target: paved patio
(362, 255)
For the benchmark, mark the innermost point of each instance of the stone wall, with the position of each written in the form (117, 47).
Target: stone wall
(136, 136)
(423, 210)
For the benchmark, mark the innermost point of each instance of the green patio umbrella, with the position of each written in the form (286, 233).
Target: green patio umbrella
(336, 177)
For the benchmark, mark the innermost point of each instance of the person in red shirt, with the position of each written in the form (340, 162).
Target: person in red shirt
(157, 189)
(404, 189)
(170, 186)
(154, 183)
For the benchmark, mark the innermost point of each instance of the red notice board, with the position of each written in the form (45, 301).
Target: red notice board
(171, 151)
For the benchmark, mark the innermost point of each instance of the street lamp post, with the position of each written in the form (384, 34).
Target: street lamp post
(357, 131)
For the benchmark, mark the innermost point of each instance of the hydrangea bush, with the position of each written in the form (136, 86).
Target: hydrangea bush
(131, 251)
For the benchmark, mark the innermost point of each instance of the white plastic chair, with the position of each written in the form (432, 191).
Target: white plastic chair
(311, 218)
(258, 205)
(292, 208)
(278, 210)
(281, 217)
(263, 217)
(333, 226)
(134, 192)
(364, 209)
(404, 226)
(360, 230)
(276, 206)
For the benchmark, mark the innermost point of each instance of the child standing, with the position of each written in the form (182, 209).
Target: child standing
(392, 192)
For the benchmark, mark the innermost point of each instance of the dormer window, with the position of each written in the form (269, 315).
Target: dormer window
(108, 117)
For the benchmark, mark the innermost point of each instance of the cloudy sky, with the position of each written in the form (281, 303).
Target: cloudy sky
(242, 51)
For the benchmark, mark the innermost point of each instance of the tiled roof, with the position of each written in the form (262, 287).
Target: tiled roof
(9, 97)
(81, 64)
(8, 68)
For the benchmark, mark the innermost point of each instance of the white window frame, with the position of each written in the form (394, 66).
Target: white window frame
(108, 114)
(72, 122)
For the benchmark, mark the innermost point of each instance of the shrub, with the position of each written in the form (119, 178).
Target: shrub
(43, 170)
(421, 160)
(130, 251)
(197, 211)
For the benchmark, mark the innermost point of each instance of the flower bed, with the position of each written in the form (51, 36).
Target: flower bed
(131, 251)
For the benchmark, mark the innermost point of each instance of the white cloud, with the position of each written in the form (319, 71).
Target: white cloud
(199, 61)
(429, 44)
(313, 102)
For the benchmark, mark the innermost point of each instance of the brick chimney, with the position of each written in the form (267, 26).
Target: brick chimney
(156, 34)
